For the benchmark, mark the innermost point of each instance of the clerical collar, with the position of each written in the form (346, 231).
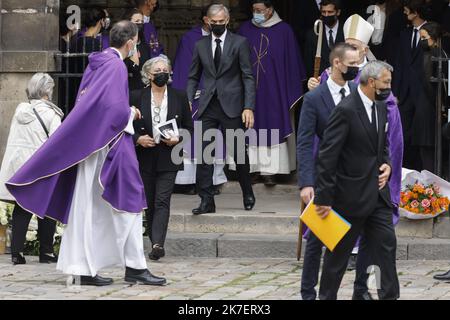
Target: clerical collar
(275, 19)
(120, 55)
(205, 33)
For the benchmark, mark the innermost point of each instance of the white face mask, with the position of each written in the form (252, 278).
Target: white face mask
(133, 51)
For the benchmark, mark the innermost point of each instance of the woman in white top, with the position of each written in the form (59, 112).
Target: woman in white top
(31, 126)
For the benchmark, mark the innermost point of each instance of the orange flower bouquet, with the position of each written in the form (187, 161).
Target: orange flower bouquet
(420, 201)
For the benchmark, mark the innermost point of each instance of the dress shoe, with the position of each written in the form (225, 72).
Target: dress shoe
(249, 202)
(97, 281)
(443, 276)
(157, 252)
(46, 258)
(18, 258)
(352, 263)
(205, 207)
(362, 296)
(216, 190)
(269, 181)
(143, 277)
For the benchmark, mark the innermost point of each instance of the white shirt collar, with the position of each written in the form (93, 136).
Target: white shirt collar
(365, 99)
(420, 27)
(335, 88)
(120, 55)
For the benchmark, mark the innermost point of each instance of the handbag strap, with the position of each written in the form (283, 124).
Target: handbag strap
(42, 122)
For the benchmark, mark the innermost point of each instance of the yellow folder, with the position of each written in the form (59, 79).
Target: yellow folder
(330, 230)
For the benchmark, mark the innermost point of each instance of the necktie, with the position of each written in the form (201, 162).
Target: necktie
(342, 92)
(217, 54)
(330, 39)
(414, 42)
(374, 117)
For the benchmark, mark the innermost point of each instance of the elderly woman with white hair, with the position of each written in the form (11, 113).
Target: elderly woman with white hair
(32, 124)
(159, 103)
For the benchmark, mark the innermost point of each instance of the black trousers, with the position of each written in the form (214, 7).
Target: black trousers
(379, 233)
(20, 221)
(158, 191)
(213, 118)
(311, 268)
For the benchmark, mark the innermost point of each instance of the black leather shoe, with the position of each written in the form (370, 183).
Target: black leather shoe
(18, 258)
(362, 296)
(45, 258)
(143, 277)
(205, 207)
(157, 252)
(249, 202)
(97, 281)
(352, 263)
(216, 190)
(269, 181)
(443, 276)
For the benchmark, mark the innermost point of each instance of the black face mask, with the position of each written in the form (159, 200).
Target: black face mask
(218, 29)
(351, 73)
(382, 94)
(424, 45)
(329, 20)
(161, 79)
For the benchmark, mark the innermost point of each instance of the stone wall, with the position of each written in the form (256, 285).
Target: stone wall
(27, 45)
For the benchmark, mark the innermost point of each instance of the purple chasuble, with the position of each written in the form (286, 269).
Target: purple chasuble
(45, 184)
(151, 38)
(279, 71)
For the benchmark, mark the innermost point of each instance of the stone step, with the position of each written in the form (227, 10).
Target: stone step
(232, 187)
(280, 246)
(275, 214)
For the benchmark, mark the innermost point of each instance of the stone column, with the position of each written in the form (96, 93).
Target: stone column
(29, 37)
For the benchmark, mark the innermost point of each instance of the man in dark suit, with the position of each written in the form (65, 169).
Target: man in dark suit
(353, 170)
(227, 101)
(316, 110)
(332, 33)
(407, 82)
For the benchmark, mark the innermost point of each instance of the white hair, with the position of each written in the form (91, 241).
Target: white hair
(373, 69)
(148, 66)
(216, 8)
(39, 86)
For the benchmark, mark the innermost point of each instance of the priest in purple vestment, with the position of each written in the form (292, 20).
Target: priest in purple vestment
(279, 71)
(86, 175)
(147, 8)
(182, 64)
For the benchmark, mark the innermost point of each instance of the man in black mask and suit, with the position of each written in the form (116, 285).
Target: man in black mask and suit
(353, 170)
(222, 60)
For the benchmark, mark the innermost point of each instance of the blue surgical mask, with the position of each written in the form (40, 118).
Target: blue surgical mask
(132, 52)
(259, 18)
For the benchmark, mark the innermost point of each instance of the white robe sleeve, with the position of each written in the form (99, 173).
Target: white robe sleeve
(129, 128)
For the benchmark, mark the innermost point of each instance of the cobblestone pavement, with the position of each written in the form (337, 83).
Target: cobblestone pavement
(200, 278)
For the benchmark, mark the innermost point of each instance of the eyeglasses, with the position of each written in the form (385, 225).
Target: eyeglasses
(157, 117)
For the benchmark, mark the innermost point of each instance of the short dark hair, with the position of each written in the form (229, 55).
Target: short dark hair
(339, 51)
(121, 32)
(421, 7)
(335, 3)
(93, 15)
(267, 3)
(130, 13)
(433, 29)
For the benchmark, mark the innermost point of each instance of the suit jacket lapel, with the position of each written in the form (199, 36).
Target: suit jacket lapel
(382, 119)
(146, 109)
(210, 55)
(365, 121)
(170, 102)
(225, 52)
(327, 98)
